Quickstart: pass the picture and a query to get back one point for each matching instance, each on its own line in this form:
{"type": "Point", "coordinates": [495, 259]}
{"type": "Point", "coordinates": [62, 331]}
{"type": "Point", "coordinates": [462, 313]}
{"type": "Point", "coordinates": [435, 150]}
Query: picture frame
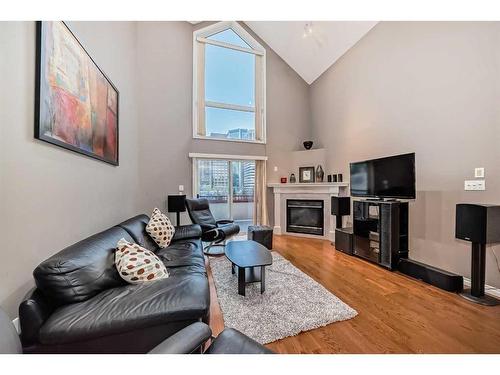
{"type": "Point", "coordinates": [76, 104]}
{"type": "Point", "coordinates": [306, 175]}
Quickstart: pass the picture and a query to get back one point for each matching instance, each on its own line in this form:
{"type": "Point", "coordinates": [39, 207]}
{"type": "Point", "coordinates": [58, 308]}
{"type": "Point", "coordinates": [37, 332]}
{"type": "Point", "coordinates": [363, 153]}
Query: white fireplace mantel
{"type": "Point", "coordinates": [322, 190]}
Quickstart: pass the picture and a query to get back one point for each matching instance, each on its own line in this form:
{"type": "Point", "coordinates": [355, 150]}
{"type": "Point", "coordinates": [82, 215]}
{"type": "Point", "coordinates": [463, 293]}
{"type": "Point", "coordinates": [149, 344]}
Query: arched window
{"type": "Point", "coordinates": [228, 84]}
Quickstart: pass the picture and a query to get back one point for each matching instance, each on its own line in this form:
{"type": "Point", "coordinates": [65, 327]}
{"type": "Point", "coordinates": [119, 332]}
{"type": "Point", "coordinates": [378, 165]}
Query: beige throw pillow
{"type": "Point", "coordinates": [136, 264]}
{"type": "Point", "coordinates": [160, 228]}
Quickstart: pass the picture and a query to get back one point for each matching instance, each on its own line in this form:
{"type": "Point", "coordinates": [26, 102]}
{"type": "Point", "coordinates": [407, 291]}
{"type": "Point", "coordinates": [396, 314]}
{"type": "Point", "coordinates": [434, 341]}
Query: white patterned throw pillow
{"type": "Point", "coordinates": [136, 264]}
{"type": "Point", "coordinates": [160, 228]}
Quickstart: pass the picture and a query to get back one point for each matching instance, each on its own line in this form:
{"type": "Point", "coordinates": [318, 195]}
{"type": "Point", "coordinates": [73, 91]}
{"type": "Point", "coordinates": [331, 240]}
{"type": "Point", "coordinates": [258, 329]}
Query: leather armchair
{"type": "Point", "coordinates": [216, 232]}
{"type": "Point", "coordinates": [192, 338]}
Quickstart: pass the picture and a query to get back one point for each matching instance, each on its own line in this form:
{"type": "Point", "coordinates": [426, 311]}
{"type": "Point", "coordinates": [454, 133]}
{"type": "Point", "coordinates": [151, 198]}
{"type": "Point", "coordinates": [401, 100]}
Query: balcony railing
{"type": "Point", "coordinates": [237, 198]}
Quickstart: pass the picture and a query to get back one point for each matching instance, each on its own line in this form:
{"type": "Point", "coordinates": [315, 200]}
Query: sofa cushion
{"type": "Point", "coordinates": [136, 264]}
{"type": "Point", "coordinates": [136, 227]}
{"type": "Point", "coordinates": [160, 228]}
{"type": "Point", "coordinates": [182, 254]}
{"type": "Point", "coordinates": [82, 270]}
{"type": "Point", "coordinates": [128, 308]}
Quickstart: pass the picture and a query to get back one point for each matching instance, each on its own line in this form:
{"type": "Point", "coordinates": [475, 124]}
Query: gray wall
{"type": "Point", "coordinates": [165, 73]}
{"type": "Point", "coordinates": [50, 197]}
{"type": "Point", "coordinates": [428, 87]}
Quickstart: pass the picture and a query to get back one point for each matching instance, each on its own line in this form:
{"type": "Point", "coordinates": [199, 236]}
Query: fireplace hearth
{"type": "Point", "coordinates": [305, 216]}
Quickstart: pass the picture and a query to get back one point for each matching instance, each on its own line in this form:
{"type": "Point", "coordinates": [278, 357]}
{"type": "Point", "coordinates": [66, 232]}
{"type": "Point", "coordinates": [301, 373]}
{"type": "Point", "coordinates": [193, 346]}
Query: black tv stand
{"type": "Point", "coordinates": [380, 231]}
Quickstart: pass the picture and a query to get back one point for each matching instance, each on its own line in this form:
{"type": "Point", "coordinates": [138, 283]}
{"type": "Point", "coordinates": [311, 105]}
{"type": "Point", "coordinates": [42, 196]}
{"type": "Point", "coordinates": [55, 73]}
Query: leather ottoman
{"type": "Point", "coordinates": [261, 234]}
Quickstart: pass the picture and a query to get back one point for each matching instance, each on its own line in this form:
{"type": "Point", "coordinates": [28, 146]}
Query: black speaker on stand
{"type": "Point", "coordinates": [341, 206]}
{"type": "Point", "coordinates": [479, 224]}
{"type": "Point", "coordinates": [177, 203]}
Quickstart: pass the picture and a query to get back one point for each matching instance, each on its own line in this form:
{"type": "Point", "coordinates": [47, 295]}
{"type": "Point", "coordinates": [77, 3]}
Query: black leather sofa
{"type": "Point", "coordinates": [192, 339]}
{"type": "Point", "coordinates": [81, 304]}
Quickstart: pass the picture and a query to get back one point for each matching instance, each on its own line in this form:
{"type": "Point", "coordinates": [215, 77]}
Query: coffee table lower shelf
{"type": "Point", "coordinates": [248, 275]}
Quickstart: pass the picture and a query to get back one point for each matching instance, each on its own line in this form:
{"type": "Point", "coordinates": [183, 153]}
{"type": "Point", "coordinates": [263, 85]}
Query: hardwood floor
{"type": "Point", "coordinates": [396, 314]}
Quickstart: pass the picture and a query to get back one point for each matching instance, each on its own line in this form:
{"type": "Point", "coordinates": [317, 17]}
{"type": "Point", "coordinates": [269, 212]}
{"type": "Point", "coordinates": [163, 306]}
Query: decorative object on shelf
{"type": "Point", "coordinates": [308, 144]}
{"type": "Point", "coordinates": [293, 180]}
{"type": "Point", "coordinates": [329, 178]}
{"type": "Point", "coordinates": [76, 105]}
{"type": "Point", "coordinates": [177, 204]}
{"type": "Point", "coordinates": [334, 178]}
{"type": "Point", "coordinates": [339, 177]}
{"type": "Point", "coordinates": [320, 174]}
{"type": "Point", "coordinates": [283, 180]}
{"type": "Point", "coordinates": [306, 174]}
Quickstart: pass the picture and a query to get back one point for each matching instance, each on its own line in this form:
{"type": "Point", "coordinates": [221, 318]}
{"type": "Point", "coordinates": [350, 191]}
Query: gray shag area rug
{"type": "Point", "coordinates": [292, 303]}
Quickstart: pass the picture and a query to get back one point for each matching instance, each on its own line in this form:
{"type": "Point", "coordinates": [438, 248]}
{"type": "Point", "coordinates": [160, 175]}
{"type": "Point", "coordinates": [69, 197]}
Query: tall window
{"type": "Point", "coordinates": [228, 84]}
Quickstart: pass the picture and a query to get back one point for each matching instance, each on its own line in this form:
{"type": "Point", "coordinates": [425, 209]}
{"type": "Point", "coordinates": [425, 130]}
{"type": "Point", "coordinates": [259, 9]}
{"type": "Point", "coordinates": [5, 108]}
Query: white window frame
{"type": "Point", "coordinates": [201, 36]}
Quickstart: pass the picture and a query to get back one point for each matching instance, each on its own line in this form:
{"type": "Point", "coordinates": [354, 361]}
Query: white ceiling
{"type": "Point", "coordinates": [310, 55]}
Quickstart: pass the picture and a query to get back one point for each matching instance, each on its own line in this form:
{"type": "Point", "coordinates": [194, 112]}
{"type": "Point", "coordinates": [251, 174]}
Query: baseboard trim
{"type": "Point", "coordinates": [489, 290]}
{"type": "Point", "coordinates": [16, 324]}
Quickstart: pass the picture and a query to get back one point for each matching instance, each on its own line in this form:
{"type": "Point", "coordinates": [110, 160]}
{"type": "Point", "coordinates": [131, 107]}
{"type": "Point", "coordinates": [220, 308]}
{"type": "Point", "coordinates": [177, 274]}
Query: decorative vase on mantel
{"type": "Point", "coordinates": [320, 174]}
{"type": "Point", "coordinates": [293, 180]}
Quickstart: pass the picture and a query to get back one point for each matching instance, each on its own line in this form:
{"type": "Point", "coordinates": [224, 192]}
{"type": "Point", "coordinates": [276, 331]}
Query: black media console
{"type": "Point", "coordinates": [380, 235]}
{"type": "Point", "coordinates": [380, 231]}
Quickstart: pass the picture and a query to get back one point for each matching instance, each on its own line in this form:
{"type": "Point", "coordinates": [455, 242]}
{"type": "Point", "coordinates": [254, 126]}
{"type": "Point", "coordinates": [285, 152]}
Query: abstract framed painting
{"type": "Point", "coordinates": [76, 104]}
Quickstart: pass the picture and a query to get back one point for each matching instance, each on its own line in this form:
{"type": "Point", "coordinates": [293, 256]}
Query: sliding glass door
{"type": "Point", "coordinates": [213, 184]}
{"type": "Point", "coordinates": [229, 186]}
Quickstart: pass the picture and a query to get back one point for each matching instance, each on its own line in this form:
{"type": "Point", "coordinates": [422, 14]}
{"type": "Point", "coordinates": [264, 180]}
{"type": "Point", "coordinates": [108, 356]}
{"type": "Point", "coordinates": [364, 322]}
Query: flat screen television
{"type": "Point", "coordinates": [389, 177]}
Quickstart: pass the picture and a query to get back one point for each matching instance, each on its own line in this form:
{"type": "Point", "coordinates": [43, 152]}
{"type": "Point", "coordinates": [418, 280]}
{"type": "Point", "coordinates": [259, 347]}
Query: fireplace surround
{"type": "Point", "coordinates": [306, 191]}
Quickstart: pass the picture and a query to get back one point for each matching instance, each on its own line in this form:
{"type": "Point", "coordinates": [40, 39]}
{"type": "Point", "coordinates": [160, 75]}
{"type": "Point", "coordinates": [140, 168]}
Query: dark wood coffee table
{"type": "Point", "coordinates": [251, 258]}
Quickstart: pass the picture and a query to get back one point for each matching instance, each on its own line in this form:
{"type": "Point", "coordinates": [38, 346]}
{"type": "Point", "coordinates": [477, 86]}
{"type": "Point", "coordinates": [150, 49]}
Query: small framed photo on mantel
{"type": "Point", "coordinates": [306, 174]}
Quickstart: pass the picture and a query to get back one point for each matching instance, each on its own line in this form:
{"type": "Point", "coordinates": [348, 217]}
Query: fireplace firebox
{"type": "Point", "coordinates": [305, 216]}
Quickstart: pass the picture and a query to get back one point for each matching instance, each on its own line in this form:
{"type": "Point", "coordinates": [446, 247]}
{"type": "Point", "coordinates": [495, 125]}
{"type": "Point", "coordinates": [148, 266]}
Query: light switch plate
{"type": "Point", "coordinates": [479, 172]}
{"type": "Point", "coordinates": [474, 185]}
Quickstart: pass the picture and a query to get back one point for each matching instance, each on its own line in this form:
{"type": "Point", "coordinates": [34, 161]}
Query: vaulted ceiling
{"type": "Point", "coordinates": [310, 48]}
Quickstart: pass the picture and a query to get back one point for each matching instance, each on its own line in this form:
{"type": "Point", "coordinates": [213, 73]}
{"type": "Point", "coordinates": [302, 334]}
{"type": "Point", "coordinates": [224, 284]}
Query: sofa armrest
{"type": "Point", "coordinates": [34, 310]}
{"type": "Point", "coordinates": [232, 341]}
{"type": "Point", "coordinates": [186, 341]}
{"type": "Point", "coordinates": [185, 232]}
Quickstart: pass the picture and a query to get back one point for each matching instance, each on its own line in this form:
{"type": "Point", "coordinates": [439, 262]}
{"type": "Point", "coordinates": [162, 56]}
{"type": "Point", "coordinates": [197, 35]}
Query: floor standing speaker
{"type": "Point", "coordinates": [480, 225]}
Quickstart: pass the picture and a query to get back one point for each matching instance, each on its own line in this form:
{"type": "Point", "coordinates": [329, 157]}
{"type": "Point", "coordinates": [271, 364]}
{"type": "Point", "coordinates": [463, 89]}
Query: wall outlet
{"type": "Point", "coordinates": [475, 185]}
{"type": "Point", "coordinates": [275, 168]}
{"type": "Point", "coordinates": [479, 172]}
